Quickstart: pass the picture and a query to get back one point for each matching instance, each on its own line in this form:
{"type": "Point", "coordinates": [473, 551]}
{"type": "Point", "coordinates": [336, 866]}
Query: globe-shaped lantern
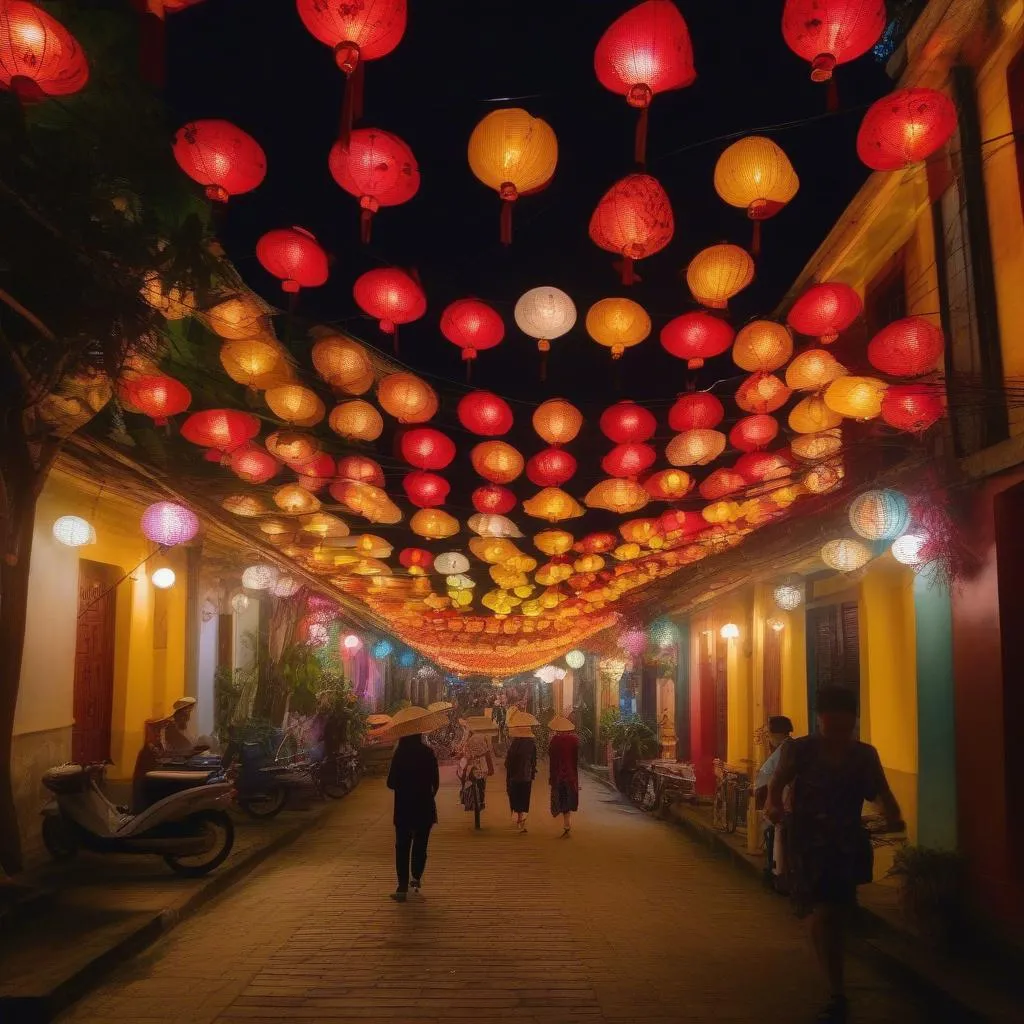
{"type": "Point", "coordinates": [633, 220]}
{"type": "Point", "coordinates": [451, 563]}
{"type": "Point", "coordinates": [550, 467]}
{"type": "Point", "coordinates": [156, 395]}
{"type": "Point", "coordinates": [813, 370]}
{"type": "Point", "coordinates": [416, 560]}
{"type": "Point", "coordinates": [753, 432]}
{"type": "Point", "coordinates": [39, 57]}
{"type": "Point", "coordinates": [343, 363]}
{"type": "Point", "coordinates": [633, 641]}
{"type": "Point", "coordinates": [907, 550]}
{"type": "Point", "coordinates": [167, 523]}
{"type": "Point", "coordinates": [258, 363]}
{"type": "Point", "coordinates": [575, 659]}
{"type": "Point", "coordinates": [628, 460]}
{"type": "Point", "coordinates": [904, 128]}
{"type": "Point", "coordinates": [220, 430]}
{"type": "Point", "coordinates": [514, 154]}
{"type": "Point", "coordinates": [717, 273]}
{"type": "Point", "coordinates": [545, 313]}
{"type": "Point", "coordinates": [762, 393]}
{"type": "Point", "coordinates": [557, 421]}
{"type": "Point", "coordinates": [760, 467]}
{"type": "Point", "coordinates": [695, 447]}
{"type": "Point", "coordinates": [240, 603]}
{"type": "Point", "coordinates": [426, 448]}
{"type": "Point", "coordinates": [356, 420]}
{"type": "Point", "coordinates": [846, 554]}
{"type": "Point", "coordinates": [294, 256]}
{"type": "Point", "coordinates": [221, 157]}
{"type": "Point", "coordinates": [376, 167]}
{"type": "Point", "coordinates": [617, 495]}
{"type": "Point", "coordinates": [789, 593]}
{"type": "Point", "coordinates": [293, 447]}
{"type": "Point", "coordinates": [818, 445]}
{"type": "Point", "coordinates": [472, 325]}
{"type": "Point", "coordinates": [298, 406]}
{"type": "Point", "coordinates": [824, 310]}
{"type": "Point", "coordinates": [643, 52]}
{"type": "Point", "coordinates": [762, 346]}
{"type": "Point", "coordinates": [316, 475]}
{"type": "Point", "coordinates": [880, 514]}
{"type": "Point", "coordinates": [553, 504]}
{"type": "Point", "coordinates": [699, 410]}
{"type": "Point", "coordinates": [425, 490]}
{"type": "Point", "coordinates": [260, 577]}
{"type": "Point", "coordinates": [668, 484]}
{"type": "Point", "coordinates": [406, 397]}
{"type": "Point", "coordinates": [74, 531]}
{"type": "Point", "coordinates": [253, 465]}
{"type": "Point", "coordinates": [618, 324]}
{"type": "Point", "coordinates": [912, 407]}
{"type": "Point", "coordinates": [239, 317]}
{"type": "Point", "coordinates": [663, 633]}
{"type": "Point", "coordinates": [497, 461]}
{"type": "Point", "coordinates": [433, 524]}
{"type": "Point", "coordinates": [382, 648]}
{"type": "Point", "coordinates": [391, 296]}
{"type": "Point", "coordinates": [361, 469]}
{"type": "Point", "coordinates": [830, 32]}
{"type": "Point", "coordinates": [811, 416]}
{"type": "Point", "coordinates": [626, 422]}
{"type": "Point", "coordinates": [908, 347]}
{"type": "Point", "coordinates": [695, 337]}
{"type": "Point", "coordinates": [485, 414]}
{"type": "Point", "coordinates": [721, 483]}
{"type": "Point", "coordinates": [857, 398]}
{"type": "Point", "coordinates": [493, 500]}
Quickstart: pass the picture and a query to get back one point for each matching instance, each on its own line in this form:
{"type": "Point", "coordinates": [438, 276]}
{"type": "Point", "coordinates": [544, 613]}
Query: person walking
{"type": "Point", "coordinates": [828, 849]}
{"type": "Point", "coordinates": [415, 779]}
{"type": "Point", "coordinates": [563, 771]}
{"type": "Point", "coordinates": [780, 732]}
{"type": "Point", "coordinates": [477, 762]}
{"type": "Point", "coordinates": [520, 765]}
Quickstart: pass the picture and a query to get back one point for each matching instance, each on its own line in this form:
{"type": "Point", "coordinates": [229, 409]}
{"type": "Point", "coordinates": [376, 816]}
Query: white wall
{"type": "Point", "coordinates": [247, 622]}
{"type": "Point", "coordinates": [207, 665]}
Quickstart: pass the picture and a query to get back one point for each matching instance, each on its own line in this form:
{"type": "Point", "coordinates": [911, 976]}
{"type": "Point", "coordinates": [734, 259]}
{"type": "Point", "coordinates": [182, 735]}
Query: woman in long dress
{"type": "Point", "coordinates": [563, 771]}
{"type": "Point", "coordinates": [520, 765]}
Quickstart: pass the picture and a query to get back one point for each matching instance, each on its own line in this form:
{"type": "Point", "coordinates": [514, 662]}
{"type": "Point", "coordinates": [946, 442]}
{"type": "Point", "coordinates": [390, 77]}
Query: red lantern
{"type": "Point", "coordinates": [629, 460]}
{"type": "Point", "coordinates": [907, 347]}
{"type": "Point", "coordinates": [317, 474]}
{"type": "Point", "coordinates": [39, 57]}
{"type": "Point", "coordinates": [762, 393]}
{"type": "Point", "coordinates": [222, 158]}
{"type": "Point", "coordinates": [376, 167]}
{"type": "Point", "coordinates": [643, 52]}
{"type": "Point", "coordinates": [697, 411]}
{"type": "Point", "coordinates": [669, 484]}
{"type": "Point", "coordinates": [753, 432]}
{"type": "Point", "coordinates": [253, 465]}
{"type": "Point", "coordinates": [295, 256]}
{"type": "Point", "coordinates": [356, 32]}
{"type": "Point", "coordinates": [427, 448]}
{"type": "Point", "coordinates": [484, 413]}
{"type": "Point", "coordinates": [494, 499]}
{"type": "Point", "coordinates": [473, 326]}
{"type": "Point", "coordinates": [550, 467]}
{"type": "Point", "coordinates": [831, 32]}
{"type": "Point", "coordinates": [758, 467]}
{"type": "Point", "coordinates": [688, 523]}
{"type": "Point", "coordinates": [417, 560]}
{"type": "Point", "coordinates": [695, 337]}
{"type": "Point", "coordinates": [912, 407]}
{"type": "Point", "coordinates": [391, 296]}
{"type": "Point", "coordinates": [426, 490]}
{"type": "Point", "coordinates": [721, 483]}
{"type": "Point", "coordinates": [360, 469]}
{"type": "Point", "coordinates": [156, 395]}
{"type": "Point", "coordinates": [824, 310]}
{"type": "Point", "coordinates": [222, 430]}
{"type": "Point", "coordinates": [626, 422]}
{"type": "Point", "coordinates": [634, 220]}
{"type": "Point", "coordinates": [905, 127]}
{"type": "Point", "coordinates": [596, 543]}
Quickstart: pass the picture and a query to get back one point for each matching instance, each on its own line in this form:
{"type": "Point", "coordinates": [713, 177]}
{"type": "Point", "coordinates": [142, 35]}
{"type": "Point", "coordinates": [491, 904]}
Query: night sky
{"type": "Point", "coordinates": [256, 65]}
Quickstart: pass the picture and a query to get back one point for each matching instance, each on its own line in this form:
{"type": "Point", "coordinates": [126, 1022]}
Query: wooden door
{"type": "Point", "coordinates": [833, 649]}
{"type": "Point", "coordinates": [772, 672]}
{"type": "Point", "coordinates": [94, 662]}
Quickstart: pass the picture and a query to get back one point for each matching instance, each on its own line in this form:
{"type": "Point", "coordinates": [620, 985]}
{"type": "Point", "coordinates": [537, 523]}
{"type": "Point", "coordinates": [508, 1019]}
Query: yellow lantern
{"type": "Point", "coordinates": [554, 505]}
{"type": "Point", "coordinates": [640, 531]}
{"type": "Point", "coordinates": [296, 500]}
{"type": "Point", "coordinates": [552, 573]}
{"type": "Point", "coordinates": [814, 369]}
{"type": "Point", "coordinates": [588, 563]}
{"type": "Point", "coordinates": [857, 398]}
{"type": "Point", "coordinates": [499, 601]}
{"type": "Point", "coordinates": [497, 461]}
{"type": "Point", "coordinates": [818, 445]}
{"type": "Point", "coordinates": [407, 398]}
{"type": "Point", "coordinates": [719, 272]}
{"type": "Point", "coordinates": [617, 495]}
{"type": "Point", "coordinates": [811, 416]}
{"type": "Point", "coordinates": [293, 447]}
{"type": "Point", "coordinates": [512, 153]}
{"type": "Point", "coordinates": [493, 550]}
{"type": "Point", "coordinates": [323, 525]}
{"type": "Point", "coordinates": [846, 554]}
{"type": "Point", "coordinates": [618, 324]}
{"type": "Point", "coordinates": [762, 346]}
{"type": "Point", "coordinates": [557, 421]}
{"type": "Point", "coordinates": [277, 528]}
{"type": "Point", "coordinates": [625, 553]}
{"type": "Point", "coordinates": [239, 318]}
{"type": "Point", "coordinates": [244, 505]}
{"type": "Point", "coordinates": [254, 362]}
{"type": "Point", "coordinates": [553, 542]}
{"type": "Point", "coordinates": [356, 420]}
{"type": "Point", "coordinates": [721, 512]}
{"type": "Point", "coordinates": [295, 404]}
{"type": "Point", "coordinates": [695, 447]}
{"type": "Point", "coordinates": [433, 524]}
{"type": "Point", "coordinates": [755, 175]}
{"type": "Point", "coordinates": [172, 303]}
{"type": "Point", "coordinates": [343, 363]}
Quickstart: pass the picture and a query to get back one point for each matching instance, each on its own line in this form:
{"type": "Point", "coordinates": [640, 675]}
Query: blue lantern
{"type": "Point", "coordinates": [381, 649]}
{"type": "Point", "coordinates": [880, 515]}
{"type": "Point", "coordinates": [663, 633]}
{"type": "Point", "coordinates": [407, 659]}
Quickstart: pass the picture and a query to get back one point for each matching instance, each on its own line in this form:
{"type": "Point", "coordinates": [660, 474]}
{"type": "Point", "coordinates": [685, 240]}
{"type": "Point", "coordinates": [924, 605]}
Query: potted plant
{"type": "Point", "coordinates": [932, 893]}
{"type": "Point", "coordinates": [630, 738]}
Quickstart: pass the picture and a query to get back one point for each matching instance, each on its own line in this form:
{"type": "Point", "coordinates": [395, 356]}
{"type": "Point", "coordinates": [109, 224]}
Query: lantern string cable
{"type": "Point", "coordinates": [113, 586]}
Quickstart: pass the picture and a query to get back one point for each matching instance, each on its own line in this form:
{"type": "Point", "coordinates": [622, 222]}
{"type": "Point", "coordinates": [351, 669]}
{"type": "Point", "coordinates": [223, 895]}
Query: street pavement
{"type": "Point", "coordinates": [626, 920]}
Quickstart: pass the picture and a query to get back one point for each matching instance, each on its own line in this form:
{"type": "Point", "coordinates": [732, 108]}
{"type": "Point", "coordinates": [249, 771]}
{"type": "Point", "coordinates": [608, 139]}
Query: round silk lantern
{"type": "Point", "coordinates": [753, 432]}
{"type": "Point", "coordinates": [294, 256]}
{"type": "Point", "coordinates": [416, 560]}
{"type": "Point", "coordinates": [391, 296]}
{"type": "Point", "coordinates": [668, 484]}
{"type": "Point", "coordinates": [485, 414]}
{"type": "Point", "coordinates": [451, 563]}
{"type": "Point", "coordinates": [880, 515]}
{"type": "Point", "coordinates": [433, 524]}
{"type": "Point", "coordinates": [167, 524]}
{"type": "Point", "coordinates": [699, 410]}
{"type": "Point", "coordinates": [73, 531]}
{"type": "Point", "coordinates": [238, 318]}
{"type": "Point", "coordinates": [907, 549]}
{"type": "Point", "coordinates": [360, 468]}
{"type": "Point", "coordinates": [904, 128]}
{"type": "Point", "coordinates": [376, 167]}
{"type": "Point", "coordinates": [316, 475]}
{"type": "Point", "coordinates": [759, 467]}
{"type": "Point", "coordinates": [575, 659]}
{"type": "Point", "coordinates": [557, 421]}
{"type": "Point", "coordinates": [755, 175]}
{"type": "Point", "coordinates": [545, 313]}
{"type": "Point", "coordinates": [550, 467]}
{"type": "Point", "coordinates": [618, 324]}
{"type": "Point", "coordinates": [633, 641]}
{"type": "Point", "coordinates": [830, 32]}
{"type": "Point", "coordinates": [407, 398]}
{"type": "Point", "coordinates": [554, 505]}
{"type": "Point", "coordinates": [817, 446]}
{"type": "Point", "coordinates": [296, 405]}
{"type": "Point", "coordinates": [496, 461]}
{"type": "Point", "coordinates": [357, 421]}
{"type": "Point", "coordinates": [222, 430]}
{"type": "Point", "coordinates": [494, 526]}
{"type": "Point", "coordinates": [762, 393]}
{"type": "Point", "coordinates": [619, 496]}
{"type": "Point", "coordinates": [814, 369]}
{"type": "Point", "coordinates": [626, 422]}
{"type": "Point", "coordinates": [39, 57]}
{"type": "Point", "coordinates": [643, 52]}
{"type": "Point", "coordinates": [695, 447]}
{"type": "Point", "coordinates": [695, 337]}
{"type": "Point", "coordinates": [156, 395]}
{"type": "Point", "coordinates": [628, 460]}
{"type": "Point", "coordinates": [493, 500]}
{"type": "Point", "coordinates": [857, 398]}
{"type": "Point", "coordinates": [789, 593]}
{"type": "Point", "coordinates": [222, 158]}
{"type": "Point", "coordinates": [258, 363]}
{"type": "Point", "coordinates": [717, 273]}
{"type": "Point", "coordinates": [260, 577]}
{"type": "Point", "coordinates": [824, 310]}
{"type": "Point", "coordinates": [846, 555]}
{"type": "Point", "coordinates": [293, 447]}
{"type": "Point", "coordinates": [633, 220]}
{"type": "Point", "coordinates": [907, 347]}
{"type": "Point", "coordinates": [912, 407]}
{"type": "Point", "coordinates": [721, 483]}
{"type": "Point", "coordinates": [343, 363]}
{"type": "Point", "coordinates": [253, 464]}
{"type": "Point", "coordinates": [473, 326]}
{"type": "Point", "coordinates": [426, 448]}
{"type": "Point", "coordinates": [514, 154]}
{"type": "Point", "coordinates": [425, 490]}
{"type": "Point", "coordinates": [811, 415]}
{"type": "Point", "coordinates": [762, 346]}
{"type": "Point", "coordinates": [295, 500]}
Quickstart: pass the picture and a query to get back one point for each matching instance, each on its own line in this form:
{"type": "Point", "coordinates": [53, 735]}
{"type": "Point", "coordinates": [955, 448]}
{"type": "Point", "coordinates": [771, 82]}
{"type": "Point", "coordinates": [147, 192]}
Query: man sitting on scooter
{"type": "Point", "coordinates": [176, 738]}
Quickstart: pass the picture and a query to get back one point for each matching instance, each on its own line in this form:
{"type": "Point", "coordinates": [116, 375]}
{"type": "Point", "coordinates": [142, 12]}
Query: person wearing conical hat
{"type": "Point", "coordinates": [520, 765]}
{"type": "Point", "coordinates": [415, 780]}
{"type": "Point", "coordinates": [563, 771]}
{"type": "Point", "coordinates": [177, 739]}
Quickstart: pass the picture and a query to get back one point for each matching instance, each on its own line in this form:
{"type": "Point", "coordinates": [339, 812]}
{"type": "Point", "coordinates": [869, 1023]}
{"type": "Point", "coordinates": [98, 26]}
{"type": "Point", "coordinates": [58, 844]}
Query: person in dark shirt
{"type": "Point", "coordinates": [563, 771]}
{"type": "Point", "coordinates": [520, 765]}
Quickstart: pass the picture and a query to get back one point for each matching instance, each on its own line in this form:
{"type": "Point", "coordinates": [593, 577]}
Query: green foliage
{"type": "Point", "coordinates": [933, 888]}
{"type": "Point", "coordinates": [346, 716]}
{"type": "Point", "coordinates": [628, 734]}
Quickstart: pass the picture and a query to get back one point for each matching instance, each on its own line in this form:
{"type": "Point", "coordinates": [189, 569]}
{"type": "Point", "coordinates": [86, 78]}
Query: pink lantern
{"type": "Point", "coordinates": [168, 524]}
{"type": "Point", "coordinates": [633, 641]}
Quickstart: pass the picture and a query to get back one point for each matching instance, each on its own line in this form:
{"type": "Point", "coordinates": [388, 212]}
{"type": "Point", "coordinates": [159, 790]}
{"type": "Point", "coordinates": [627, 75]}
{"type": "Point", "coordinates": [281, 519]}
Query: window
{"type": "Point", "coordinates": [833, 649]}
{"type": "Point", "coordinates": [885, 298]}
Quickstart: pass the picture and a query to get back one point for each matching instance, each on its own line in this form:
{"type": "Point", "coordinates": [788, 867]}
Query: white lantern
{"type": "Point", "coordinates": [907, 549]}
{"type": "Point", "coordinates": [846, 554]}
{"type": "Point", "coordinates": [776, 624]}
{"type": "Point", "coordinates": [550, 674]}
{"type": "Point", "coordinates": [286, 586]}
{"type": "Point", "coordinates": [352, 642]}
{"type": "Point", "coordinates": [451, 563]}
{"type": "Point", "coordinates": [240, 603]}
{"type": "Point", "coordinates": [317, 634]}
{"type": "Point", "coordinates": [730, 631]}
{"type": "Point", "coordinates": [163, 578]}
{"type": "Point", "coordinates": [492, 525]}
{"type": "Point", "coordinates": [575, 659]}
{"type": "Point", "coordinates": [545, 313]}
{"type": "Point", "coordinates": [74, 531]}
{"type": "Point", "coordinates": [789, 594]}
{"type": "Point", "coordinates": [260, 577]}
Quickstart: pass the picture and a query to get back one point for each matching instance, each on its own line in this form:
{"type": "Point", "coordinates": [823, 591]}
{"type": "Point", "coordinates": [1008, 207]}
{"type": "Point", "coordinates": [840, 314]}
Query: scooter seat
{"type": "Point", "coordinates": [166, 775]}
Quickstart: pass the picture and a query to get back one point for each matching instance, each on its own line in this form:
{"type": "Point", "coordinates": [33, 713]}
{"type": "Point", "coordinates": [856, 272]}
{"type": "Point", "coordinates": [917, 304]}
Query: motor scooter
{"type": "Point", "coordinates": [190, 829]}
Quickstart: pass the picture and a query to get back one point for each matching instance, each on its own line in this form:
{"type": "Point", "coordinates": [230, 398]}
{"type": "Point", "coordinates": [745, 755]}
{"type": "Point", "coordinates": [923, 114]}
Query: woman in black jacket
{"type": "Point", "coordinates": [520, 765]}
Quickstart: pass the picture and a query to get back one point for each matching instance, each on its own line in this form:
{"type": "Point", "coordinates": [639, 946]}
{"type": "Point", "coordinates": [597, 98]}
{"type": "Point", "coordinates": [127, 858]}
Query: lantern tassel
{"type": "Point", "coordinates": [365, 225]}
{"type": "Point", "coordinates": [352, 104]}
{"type": "Point", "coordinates": [832, 100]}
{"type": "Point", "coordinates": [755, 241]}
{"type": "Point", "coordinates": [640, 145]}
{"type": "Point", "coordinates": [627, 270]}
{"type": "Point", "coordinates": [506, 222]}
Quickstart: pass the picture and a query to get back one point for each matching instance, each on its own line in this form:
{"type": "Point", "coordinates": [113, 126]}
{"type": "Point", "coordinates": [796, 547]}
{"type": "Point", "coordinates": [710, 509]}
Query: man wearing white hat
{"type": "Point", "coordinates": [176, 736]}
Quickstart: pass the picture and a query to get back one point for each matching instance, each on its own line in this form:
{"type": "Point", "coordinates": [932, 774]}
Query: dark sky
{"type": "Point", "coordinates": [255, 64]}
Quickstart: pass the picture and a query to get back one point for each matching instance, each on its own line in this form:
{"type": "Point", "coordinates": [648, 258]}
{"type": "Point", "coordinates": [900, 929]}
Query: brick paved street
{"type": "Point", "coordinates": [626, 921]}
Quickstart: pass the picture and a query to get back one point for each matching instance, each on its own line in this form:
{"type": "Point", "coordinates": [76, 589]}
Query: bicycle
{"type": "Point", "coordinates": [732, 796]}
{"type": "Point", "coordinates": [655, 786]}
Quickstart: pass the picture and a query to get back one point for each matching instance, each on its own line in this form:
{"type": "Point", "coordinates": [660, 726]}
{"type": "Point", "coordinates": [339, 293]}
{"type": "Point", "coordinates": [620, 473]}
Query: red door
{"type": "Point", "coordinates": [94, 662]}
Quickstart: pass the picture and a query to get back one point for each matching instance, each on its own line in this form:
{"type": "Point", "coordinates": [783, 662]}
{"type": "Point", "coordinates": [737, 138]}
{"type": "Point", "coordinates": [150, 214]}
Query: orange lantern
{"type": "Point", "coordinates": [295, 500]}
{"type": "Point", "coordinates": [293, 447]}
{"type": "Point", "coordinates": [497, 461]}
{"type": "Point", "coordinates": [296, 405]}
{"type": "Point", "coordinates": [343, 363]}
{"type": "Point", "coordinates": [811, 415]}
{"type": "Point", "coordinates": [557, 421]}
{"type": "Point", "coordinates": [762, 393]}
{"type": "Point", "coordinates": [618, 324]}
{"type": "Point", "coordinates": [433, 524]}
{"type": "Point", "coordinates": [762, 346]}
{"type": "Point", "coordinates": [717, 273]}
{"type": "Point", "coordinates": [239, 318]}
{"type": "Point", "coordinates": [407, 398]}
{"type": "Point", "coordinates": [857, 398]}
{"type": "Point", "coordinates": [720, 484]}
{"type": "Point", "coordinates": [633, 220]}
{"type": "Point", "coordinates": [813, 369]}
{"type": "Point", "coordinates": [552, 504]}
{"type": "Point", "coordinates": [695, 447]}
{"type": "Point", "coordinates": [553, 542]}
{"type": "Point", "coordinates": [356, 420]}
{"type": "Point", "coordinates": [668, 484]}
{"type": "Point", "coordinates": [258, 363]}
{"type": "Point", "coordinates": [820, 445]}
{"type": "Point", "coordinates": [617, 495]}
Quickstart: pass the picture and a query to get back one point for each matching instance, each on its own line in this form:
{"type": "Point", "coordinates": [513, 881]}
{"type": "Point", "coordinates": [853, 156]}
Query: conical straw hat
{"type": "Point", "coordinates": [481, 725]}
{"type": "Point", "coordinates": [414, 720]}
{"type": "Point", "coordinates": [377, 720]}
{"type": "Point", "coordinates": [561, 724]}
{"type": "Point", "coordinates": [440, 705]}
{"type": "Point", "coordinates": [521, 720]}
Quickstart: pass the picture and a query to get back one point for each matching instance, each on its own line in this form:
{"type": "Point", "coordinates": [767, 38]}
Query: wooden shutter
{"type": "Point", "coordinates": [772, 672]}
{"type": "Point", "coordinates": [721, 701]}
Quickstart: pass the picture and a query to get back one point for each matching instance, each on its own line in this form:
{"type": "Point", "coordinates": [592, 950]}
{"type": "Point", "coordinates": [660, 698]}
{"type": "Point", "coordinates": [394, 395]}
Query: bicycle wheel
{"type": "Point", "coordinates": [638, 786]}
{"type": "Point", "coordinates": [718, 814]}
{"type": "Point", "coordinates": [333, 781]}
{"type": "Point", "coordinates": [649, 798]}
